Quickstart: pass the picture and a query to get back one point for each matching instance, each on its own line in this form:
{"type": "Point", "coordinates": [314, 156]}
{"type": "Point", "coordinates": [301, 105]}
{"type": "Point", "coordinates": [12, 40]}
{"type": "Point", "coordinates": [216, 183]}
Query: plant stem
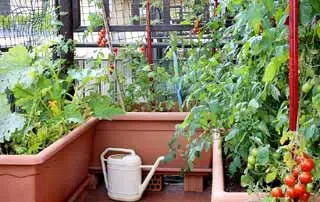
{"type": "Point", "coordinates": [106, 25]}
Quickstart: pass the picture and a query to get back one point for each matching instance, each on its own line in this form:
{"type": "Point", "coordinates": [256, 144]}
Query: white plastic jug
{"type": "Point", "coordinates": [123, 174]}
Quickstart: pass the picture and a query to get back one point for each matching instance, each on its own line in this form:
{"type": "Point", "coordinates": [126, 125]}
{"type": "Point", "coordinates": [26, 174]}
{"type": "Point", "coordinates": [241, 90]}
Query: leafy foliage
{"type": "Point", "coordinates": [239, 82]}
{"type": "Point", "coordinates": [50, 103]}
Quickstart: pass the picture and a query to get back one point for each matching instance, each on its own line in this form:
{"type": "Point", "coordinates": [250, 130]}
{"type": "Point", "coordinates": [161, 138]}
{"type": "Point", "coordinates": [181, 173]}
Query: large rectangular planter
{"type": "Point", "coordinates": [148, 133]}
{"type": "Point", "coordinates": [218, 192]}
{"type": "Point", "coordinates": [54, 174]}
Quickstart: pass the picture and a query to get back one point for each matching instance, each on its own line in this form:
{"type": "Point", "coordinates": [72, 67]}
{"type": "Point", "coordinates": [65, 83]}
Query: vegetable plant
{"type": "Point", "coordinates": [48, 102]}
{"type": "Point", "coordinates": [239, 80]}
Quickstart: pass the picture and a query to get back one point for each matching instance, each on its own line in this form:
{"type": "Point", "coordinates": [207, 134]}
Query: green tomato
{"type": "Point", "coordinates": [250, 166]}
{"type": "Point", "coordinates": [307, 87]}
{"type": "Point", "coordinates": [276, 156]}
{"type": "Point", "coordinates": [251, 160]}
{"type": "Point", "coordinates": [254, 152]}
{"type": "Point", "coordinates": [309, 187]}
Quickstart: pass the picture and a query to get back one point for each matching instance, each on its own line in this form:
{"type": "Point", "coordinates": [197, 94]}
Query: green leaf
{"type": "Point", "coordinates": [278, 14]}
{"type": "Point", "coordinates": [268, 4]}
{"type": "Point", "coordinates": [271, 70]}
{"type": "Point", "coordinates": [275, 93]}
{"type": "Point", "coordinates": [263, 128]}
{"type": "Point", "coordinates": [232, 134]}
{"type": "Point", "coordinates": [254, 104]}
{"type": "Point", "coordinates": [305, 12]}
{"type": "Point", "coordinates": [263, 155]}
{"type": "Point", "coordinates": [9, 122]}
{"type": "Point", "coordinates": [234, 165]}
{"type": "Point", "coordinates": [101, 107]}
{"type": "Point", "coordinates": [318, 30]}
{"type": "Point", "coordinates": [270, 177]}
{"type": "Point", "coordinates": [311, 132]}
{"type": "Point", "coordinates": [246, 180]}
{"type": "Point", "coordinates": [254, 16]}
{"type": "Point", "coordinates": [72, 113]}
{"type": "Point", "coordinates": [14, 66]}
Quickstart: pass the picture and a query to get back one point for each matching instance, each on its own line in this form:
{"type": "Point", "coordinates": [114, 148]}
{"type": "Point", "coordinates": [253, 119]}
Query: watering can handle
{"type": "Point", "coordinates": [104, 160]}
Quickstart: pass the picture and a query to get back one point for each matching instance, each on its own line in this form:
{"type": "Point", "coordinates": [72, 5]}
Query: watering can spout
{"type": "Point", "coordinates": [150, 174]}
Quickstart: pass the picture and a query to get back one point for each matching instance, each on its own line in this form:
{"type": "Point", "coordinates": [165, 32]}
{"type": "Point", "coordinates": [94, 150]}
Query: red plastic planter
{"type": "Point", "coordinates": [218, 193]}
{"type": "Point", "coordinates": [148, 133]}
{"type": "Point", "coordinates": [53, 175]}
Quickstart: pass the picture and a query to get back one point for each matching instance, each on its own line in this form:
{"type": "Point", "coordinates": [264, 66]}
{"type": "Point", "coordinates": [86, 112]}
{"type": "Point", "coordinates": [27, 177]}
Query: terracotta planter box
{"type": "Point", "coordinates": [148, 133]}
{"type": "Point", "coordinates": [218, 194]}
{"type": "Point", "coordinates": [53, 175]}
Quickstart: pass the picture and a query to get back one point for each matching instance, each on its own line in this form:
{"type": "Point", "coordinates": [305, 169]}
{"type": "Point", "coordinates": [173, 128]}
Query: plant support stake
{"type": "Point", "coordinates": [294, 63]}
{"type": "Point", "coordinates": [149, 42]}
{"type": "Point", "coordinates": [216, 4]}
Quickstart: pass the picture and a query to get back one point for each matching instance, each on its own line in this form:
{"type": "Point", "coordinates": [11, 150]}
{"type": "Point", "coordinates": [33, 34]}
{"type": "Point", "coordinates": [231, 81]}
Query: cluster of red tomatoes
{"type": "Point", "coordinates": [298, 185]}
{"type": "Point", "coordinates": [102, 40]}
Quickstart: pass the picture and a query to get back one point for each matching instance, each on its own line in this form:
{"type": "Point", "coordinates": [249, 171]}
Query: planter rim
{"type": "Point", "coordinates": [47, 153]}
{"type": "Point", "coordinates": [218, 192]}
{"type": "Point", "coordinates": [151, 116]}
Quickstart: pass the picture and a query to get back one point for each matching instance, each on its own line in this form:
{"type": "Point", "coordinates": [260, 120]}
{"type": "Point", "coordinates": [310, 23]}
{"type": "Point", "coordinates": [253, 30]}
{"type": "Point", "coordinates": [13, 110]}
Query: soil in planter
{"type": "Point", "coordinates": [231, 183]}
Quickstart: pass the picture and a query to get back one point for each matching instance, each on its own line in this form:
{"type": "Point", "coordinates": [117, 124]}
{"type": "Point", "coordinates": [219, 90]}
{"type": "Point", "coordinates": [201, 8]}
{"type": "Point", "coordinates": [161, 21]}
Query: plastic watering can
{"type": "Point", "coordinates": [123, 174]}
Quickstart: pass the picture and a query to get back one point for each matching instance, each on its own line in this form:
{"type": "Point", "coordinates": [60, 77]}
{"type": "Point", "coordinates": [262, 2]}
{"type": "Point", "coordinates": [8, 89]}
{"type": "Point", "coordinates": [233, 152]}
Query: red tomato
{"type": "Point", "coordinates": [115, 50]}
{"type": "Point", "coordinates": [196, 30]}
{"type": "Point", "coordinates": [102, 44]}
{"type": "Point", "coordinates": [277, 192]}
{"type": "Point", "coordinates": [291, 193]}
{"type": "Point", "coordinates": [295, 172]}
{"type": "Point", "coordinates": [103, 31]}
{"type": "Point", "coordinates": [305, 196]}
{"type": "Point", "coordinates": [142, 49]}
{"type": "Point", "coordinates": [101, 35]}
{"type": "Point", "coordinates": [307, 165]}
{"type": "Point", "coordinates": [289, 180]}
{"type": "Point", "coordinates": [299, 189]}
{"type": "Point", "coordinates": [305, 177]}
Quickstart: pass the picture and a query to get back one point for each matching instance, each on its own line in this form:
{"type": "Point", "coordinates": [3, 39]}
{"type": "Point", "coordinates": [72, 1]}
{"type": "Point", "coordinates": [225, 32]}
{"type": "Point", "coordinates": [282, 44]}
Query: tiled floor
{"type": "Point", "coordinates": [171, 193]}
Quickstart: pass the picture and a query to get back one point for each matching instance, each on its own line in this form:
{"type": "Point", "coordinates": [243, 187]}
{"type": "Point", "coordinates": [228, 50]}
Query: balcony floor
{"type": "Point", "coordinates": [171, 193]}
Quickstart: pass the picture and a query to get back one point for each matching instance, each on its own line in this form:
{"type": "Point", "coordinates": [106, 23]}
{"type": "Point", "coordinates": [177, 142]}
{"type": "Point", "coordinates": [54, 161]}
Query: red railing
{"type": "Point", "coordinates": [294, 63]}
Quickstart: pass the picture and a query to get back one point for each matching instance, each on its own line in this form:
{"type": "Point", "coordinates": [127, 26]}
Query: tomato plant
{"type": "Point", "coordinates": [241, 88]}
